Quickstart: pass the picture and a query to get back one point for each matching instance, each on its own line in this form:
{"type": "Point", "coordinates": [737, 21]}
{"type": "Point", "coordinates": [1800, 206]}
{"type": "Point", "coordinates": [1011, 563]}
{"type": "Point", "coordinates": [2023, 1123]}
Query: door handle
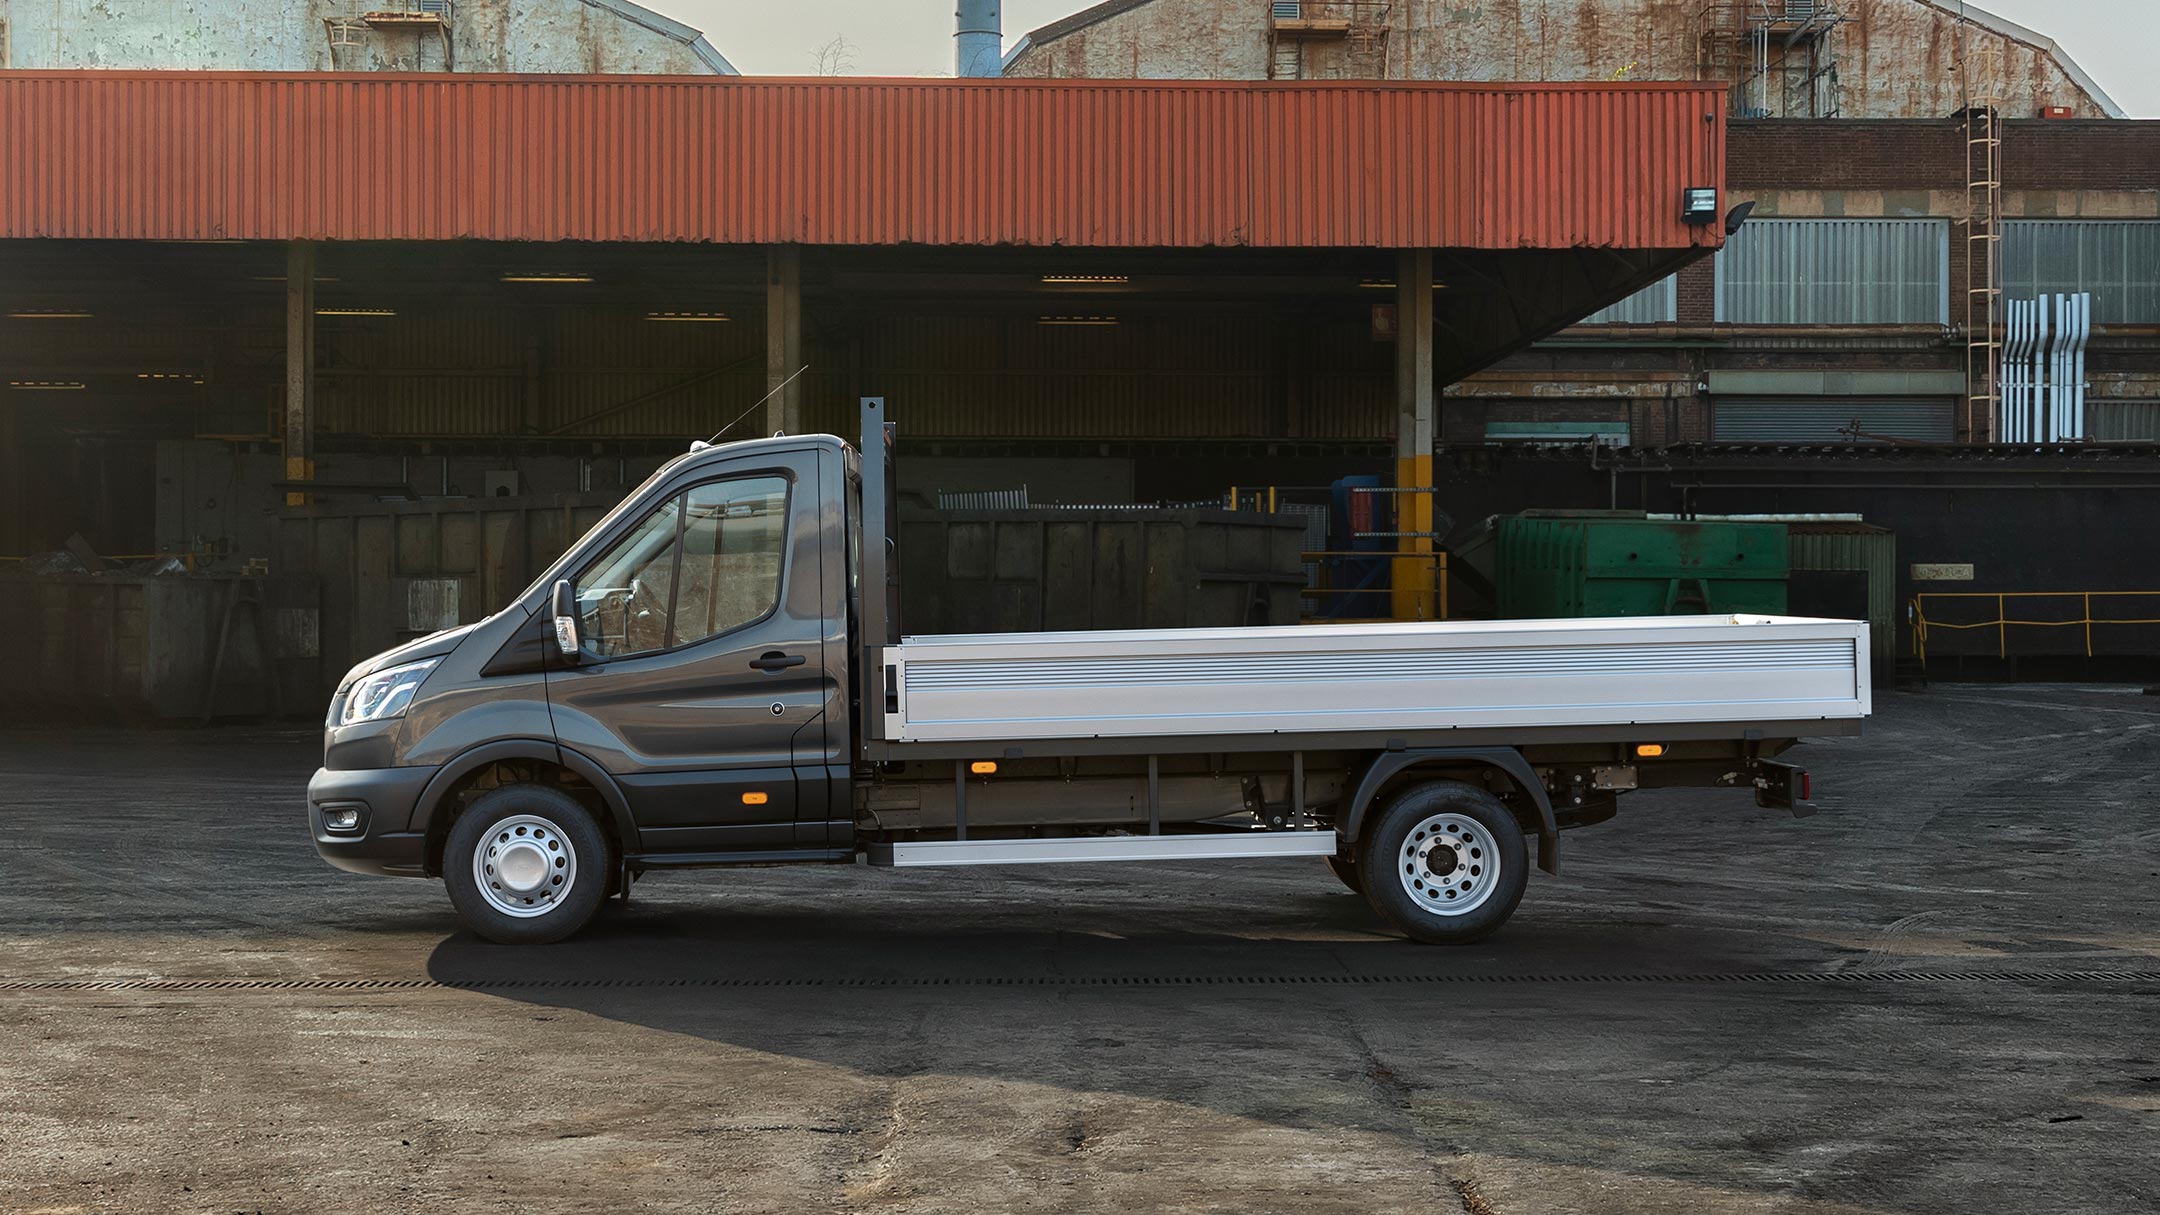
{"type": "Point", "coordinates": [776, 661]}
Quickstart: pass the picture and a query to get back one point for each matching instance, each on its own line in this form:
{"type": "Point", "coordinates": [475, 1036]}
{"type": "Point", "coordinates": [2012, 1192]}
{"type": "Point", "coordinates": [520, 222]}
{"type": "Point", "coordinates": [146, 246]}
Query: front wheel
{"type": "Point", "coordinates": [527, 865]}
{"type": "Point", "coordinates": [1445, 862]}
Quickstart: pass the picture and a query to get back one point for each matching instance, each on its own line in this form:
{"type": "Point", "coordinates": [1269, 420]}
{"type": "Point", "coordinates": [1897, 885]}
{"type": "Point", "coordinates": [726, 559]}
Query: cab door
{"type": "Point", "coordinates": [701, 631]}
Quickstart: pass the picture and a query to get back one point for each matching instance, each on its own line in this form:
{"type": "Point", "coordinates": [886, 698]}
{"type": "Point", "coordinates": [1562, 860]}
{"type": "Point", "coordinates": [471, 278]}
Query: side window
{"type": "Point", "coordinates": [733, 543]}
{"type": "Point", "coordinates": [707, 561]}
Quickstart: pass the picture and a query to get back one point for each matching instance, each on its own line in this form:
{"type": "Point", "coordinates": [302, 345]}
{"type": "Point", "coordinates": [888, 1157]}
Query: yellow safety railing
{"type": "Point", "coordinates": [2002, 622]}
{"type": "Point", "coordinates": [1438, 561]}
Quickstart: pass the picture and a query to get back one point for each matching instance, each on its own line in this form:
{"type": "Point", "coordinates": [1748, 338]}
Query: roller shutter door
{"type": "Point", "coordinates": [1820, 419]}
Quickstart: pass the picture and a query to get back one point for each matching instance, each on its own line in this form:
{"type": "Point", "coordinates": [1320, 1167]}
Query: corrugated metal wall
{"type": "Point", "coordinates": [1655, 304]}
{"type": "Point", "coordinates": [202, 155]}
{"type": "Point", "coordinates": [2124, 421]}
{"type": "Point", "coordinates": [1836, 272]}
{"type": "Point", "coordinates": [1822, 419]}
{"type": "Point", "coordinates": [1847, 546]}
{"type": "Point", "coordinates": [468, 373]}
{"type": "Point", "coordinates": [2117, 260]}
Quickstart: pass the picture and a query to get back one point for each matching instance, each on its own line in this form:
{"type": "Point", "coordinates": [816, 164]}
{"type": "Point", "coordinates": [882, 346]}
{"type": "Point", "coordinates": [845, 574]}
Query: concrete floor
{"type": "Point", "coordinates": [1942, 993]}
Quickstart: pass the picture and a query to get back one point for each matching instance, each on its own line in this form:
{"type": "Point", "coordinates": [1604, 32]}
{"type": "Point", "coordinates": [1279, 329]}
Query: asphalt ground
{"type": "Point", "coordinates": [1939, 994]}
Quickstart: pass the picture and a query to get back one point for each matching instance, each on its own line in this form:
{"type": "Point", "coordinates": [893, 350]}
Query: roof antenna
{"type": "Point", "coordinates": [706, 444]}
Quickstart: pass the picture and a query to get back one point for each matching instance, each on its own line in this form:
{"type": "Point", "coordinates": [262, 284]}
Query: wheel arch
{"type": "Point", "coordinates": [1508, 762]}
{"type": "Point", "coordinates": [427, 812]}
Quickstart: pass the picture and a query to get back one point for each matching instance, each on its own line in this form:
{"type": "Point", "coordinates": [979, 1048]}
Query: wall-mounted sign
{"type": "Point", "coordinates": [1941, 572]}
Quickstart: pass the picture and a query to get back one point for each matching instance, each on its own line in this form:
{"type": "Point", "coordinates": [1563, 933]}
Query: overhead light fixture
{"type": "Point", "coordinates": [1076, 320]}
{"type": "Point", "coordinates": [1377, 284]}
{"type": "Point", "coordinates": [356, 312]}
{"type": "Point", "coordinates": [1085, 280]}
{"type": "Point", "coordinates": [708, 317]}
{"type": "Point", "coordinates": [47, 385]}
{"type": "Point", "coordinates": [165, 375]}
{"type": "Point", "coordinates": [547, 278]}
{"type": "Point", "coordinates": [50, 314]}
{"type": "Point", "coordinates": [1698, 206]}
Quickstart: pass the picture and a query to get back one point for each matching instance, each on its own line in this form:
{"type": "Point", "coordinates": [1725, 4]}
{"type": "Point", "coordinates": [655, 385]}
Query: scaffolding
{"type": "Point", "coordinates": [1780, 56]}
{"type": "Point", "coordinates": [1982, 67]}
{"type": "Point", "coordinates": [1356, 30]}
{"type": "Point", "coordinates": [426, 19]}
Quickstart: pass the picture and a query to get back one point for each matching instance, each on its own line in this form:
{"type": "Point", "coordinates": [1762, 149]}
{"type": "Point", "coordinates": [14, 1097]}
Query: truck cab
{"type": "Point", "coordinates": [704, 683]}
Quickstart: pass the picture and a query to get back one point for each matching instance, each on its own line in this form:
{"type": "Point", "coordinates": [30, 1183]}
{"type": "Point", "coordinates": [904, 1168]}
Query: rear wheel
{"type": "Point", "coordinates": [527, 865]}
{"type": "Point", "coordinates": [1345, 869]}
{"type": "Point", "coordinates": [1445, 862]}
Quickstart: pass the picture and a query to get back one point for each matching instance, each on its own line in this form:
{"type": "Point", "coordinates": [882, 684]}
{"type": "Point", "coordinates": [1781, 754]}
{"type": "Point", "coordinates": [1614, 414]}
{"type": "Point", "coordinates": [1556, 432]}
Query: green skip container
{"type": "Point", "coordinates": [1545, 565]}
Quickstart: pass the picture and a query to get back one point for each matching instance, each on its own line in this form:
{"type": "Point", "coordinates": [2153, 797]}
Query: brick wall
{"type": "Point", "coordinates": [1915, 155]}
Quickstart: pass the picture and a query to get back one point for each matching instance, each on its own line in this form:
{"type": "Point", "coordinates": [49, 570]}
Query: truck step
{"type": "Point", "coordinates": [1240, 844]}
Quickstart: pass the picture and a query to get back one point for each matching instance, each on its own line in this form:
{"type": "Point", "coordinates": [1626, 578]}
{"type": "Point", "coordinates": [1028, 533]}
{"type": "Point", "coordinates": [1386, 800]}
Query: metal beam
{"type": "Point", "coordinates": [299, 428]}
{"type": "Point", "coordinates": [783, 338]}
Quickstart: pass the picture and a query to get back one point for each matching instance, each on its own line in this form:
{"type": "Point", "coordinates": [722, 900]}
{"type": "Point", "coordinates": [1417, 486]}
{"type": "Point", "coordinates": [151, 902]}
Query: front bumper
{"type": "Point", "coordinates": [385, 798]}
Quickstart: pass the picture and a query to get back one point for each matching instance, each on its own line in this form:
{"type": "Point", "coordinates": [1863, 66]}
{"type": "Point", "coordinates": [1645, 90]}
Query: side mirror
{"type": "Point", "coordinates": [565, 611]}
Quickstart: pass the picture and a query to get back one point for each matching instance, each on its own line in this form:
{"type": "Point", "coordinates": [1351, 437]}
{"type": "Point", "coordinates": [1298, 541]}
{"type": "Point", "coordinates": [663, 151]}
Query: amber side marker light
{"type": "Point", "coordinates": [983, 767]}
{"type": "Point", "coordinates": [753, 799]}
{"type": "Point", "coordinates": [1649, 750]}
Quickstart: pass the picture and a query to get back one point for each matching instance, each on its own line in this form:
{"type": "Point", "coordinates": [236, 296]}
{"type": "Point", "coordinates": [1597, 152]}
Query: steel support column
{"type": "Point", "coordinates": [299, 430]}
{"type": "Point", "coordinates": [1415, 422]}
{"type": "Point", "coordinates": [783, 338]}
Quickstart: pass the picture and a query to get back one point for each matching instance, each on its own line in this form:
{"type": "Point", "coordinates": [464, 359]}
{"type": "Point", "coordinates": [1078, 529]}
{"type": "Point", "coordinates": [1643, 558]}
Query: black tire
{"type": "Point", "coordinates": [1345, 870]}
{"type": "Point", "coordinates": [1401, 850]}
{"type": "Point", "coordinates": [558, 845]}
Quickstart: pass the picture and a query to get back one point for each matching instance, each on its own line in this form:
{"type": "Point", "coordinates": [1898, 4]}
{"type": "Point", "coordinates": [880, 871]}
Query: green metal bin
{"type": "Point", "coordinates": [1578, 564]}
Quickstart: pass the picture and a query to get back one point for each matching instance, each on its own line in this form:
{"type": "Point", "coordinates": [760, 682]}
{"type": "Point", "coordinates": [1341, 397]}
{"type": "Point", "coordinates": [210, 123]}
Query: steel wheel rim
{"type": "Point", "coordinates": [524, 866]}
{"type": "Point", "coordinates": [1449, 864]}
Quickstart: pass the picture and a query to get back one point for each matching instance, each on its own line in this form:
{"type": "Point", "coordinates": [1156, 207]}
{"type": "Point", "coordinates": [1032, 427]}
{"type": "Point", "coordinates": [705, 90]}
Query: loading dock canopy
{"type": "Point", "coordinates": [1544, 202]}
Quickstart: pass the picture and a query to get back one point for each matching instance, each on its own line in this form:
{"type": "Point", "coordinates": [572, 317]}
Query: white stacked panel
{"type": "Point", "coordinates": [1378, 677]}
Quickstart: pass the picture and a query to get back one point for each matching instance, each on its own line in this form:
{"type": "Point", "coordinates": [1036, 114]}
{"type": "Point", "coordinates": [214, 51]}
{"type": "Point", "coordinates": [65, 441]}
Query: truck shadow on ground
{"type": "Point", "coordinates": [1309, 1017]}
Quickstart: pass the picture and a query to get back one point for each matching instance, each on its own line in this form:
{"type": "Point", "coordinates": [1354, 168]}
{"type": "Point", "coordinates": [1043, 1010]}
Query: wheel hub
{"type": "Point", "coordinates": [1450, 864]}
{"type": "Point", "coordinates": [524, 866]}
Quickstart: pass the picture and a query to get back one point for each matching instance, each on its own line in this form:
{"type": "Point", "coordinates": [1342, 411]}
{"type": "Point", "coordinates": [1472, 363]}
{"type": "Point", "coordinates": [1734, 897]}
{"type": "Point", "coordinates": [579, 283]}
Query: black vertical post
{"type": "Point", "coordinates": [959, 792]}
{"type": "Point", "coordinates": [1154, 796]}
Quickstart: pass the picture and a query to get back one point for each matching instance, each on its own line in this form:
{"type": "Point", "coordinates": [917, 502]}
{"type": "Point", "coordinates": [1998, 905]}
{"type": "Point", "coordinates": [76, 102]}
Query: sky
{"type": "Point", "coordinates": [2112, 39]}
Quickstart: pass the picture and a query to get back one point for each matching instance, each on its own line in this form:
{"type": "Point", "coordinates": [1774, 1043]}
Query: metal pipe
{"type": "Point", "coordinates": [978, 39]}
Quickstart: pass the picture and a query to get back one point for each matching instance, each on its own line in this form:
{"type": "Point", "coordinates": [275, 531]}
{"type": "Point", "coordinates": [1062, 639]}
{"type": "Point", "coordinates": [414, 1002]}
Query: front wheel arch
{"type": "Point", "coordinates": [440, 795]}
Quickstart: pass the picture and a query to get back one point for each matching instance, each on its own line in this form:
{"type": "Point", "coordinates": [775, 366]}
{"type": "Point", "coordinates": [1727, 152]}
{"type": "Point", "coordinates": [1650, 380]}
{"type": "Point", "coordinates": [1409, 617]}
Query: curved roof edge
{"type": "Point", "coordinates": [2012, 30]}
{"type": "Point", "coordinates": [668, 27]}
{"type": "Point", "coordinates": [1955, 8]}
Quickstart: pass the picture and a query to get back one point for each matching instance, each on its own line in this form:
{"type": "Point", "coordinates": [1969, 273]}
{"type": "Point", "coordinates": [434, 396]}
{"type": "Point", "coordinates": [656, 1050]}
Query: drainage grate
{"type": "Point", "coordinates": [2062, 977]}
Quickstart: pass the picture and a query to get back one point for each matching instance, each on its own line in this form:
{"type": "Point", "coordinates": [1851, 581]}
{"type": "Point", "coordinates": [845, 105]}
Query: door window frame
{"type": "Point", "coordinates": [677, 494]}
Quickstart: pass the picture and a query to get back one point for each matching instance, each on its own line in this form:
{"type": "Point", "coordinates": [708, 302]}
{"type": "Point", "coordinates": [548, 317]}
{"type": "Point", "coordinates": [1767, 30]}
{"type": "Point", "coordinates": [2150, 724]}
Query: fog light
{"type": "Point", "coordinates": [341, 818]}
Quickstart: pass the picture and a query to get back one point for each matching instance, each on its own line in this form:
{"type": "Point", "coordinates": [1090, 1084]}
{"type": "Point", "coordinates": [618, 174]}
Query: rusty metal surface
{"type": "Point", "coordinates": [1894, 58]}
{"type": "Point", "coordinates": [200, 156]}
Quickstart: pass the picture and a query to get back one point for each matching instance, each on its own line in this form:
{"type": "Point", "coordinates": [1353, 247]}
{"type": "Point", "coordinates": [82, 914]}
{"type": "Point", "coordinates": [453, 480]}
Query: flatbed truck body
{"type": "Point", "coordinates": [715, 675]}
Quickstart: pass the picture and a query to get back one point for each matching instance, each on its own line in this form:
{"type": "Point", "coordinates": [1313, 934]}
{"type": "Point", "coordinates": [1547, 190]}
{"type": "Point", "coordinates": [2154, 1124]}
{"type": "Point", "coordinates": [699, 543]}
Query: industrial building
{"type": "Point", "coordinates": [1954, 241]}
{"type": "Point", "coordinates": [1088, 291]}
{"type": "Point", "coordinates": [612, 36]}
{"type": "Point", "coordinates": [1913, 167]}
{"type": "Point", "coordinates": [312, 323]}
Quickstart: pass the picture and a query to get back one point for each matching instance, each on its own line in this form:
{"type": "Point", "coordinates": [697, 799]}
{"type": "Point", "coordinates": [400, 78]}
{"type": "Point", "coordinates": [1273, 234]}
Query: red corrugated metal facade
{"type": "Point", "coordinates": [1186, 164]}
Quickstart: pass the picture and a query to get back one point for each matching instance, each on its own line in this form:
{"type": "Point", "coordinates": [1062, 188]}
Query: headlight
{"type": "Point", "coordinates": [386, 694]}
